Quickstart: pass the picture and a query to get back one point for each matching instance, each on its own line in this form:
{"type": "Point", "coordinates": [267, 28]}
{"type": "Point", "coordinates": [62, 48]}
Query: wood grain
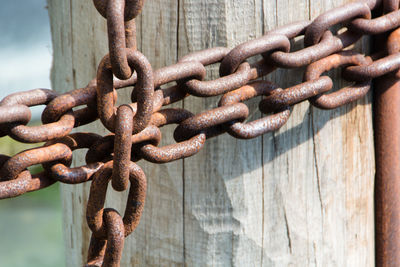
{"type": "Point", "coordinates": [302, 196]}
{"type": "Point", "coordinates": [223, 183]}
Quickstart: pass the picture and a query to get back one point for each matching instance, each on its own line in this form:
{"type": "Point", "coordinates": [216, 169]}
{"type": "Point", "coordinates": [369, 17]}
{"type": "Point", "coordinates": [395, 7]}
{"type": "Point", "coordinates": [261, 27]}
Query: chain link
{"type": "Point", "coordinates": [135, 126]}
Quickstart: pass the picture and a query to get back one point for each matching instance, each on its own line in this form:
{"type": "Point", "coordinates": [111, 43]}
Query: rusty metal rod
{"type": "Point", "coordinates": [387, 179]}
{"type": "Point", "coordinates": [387, 157]}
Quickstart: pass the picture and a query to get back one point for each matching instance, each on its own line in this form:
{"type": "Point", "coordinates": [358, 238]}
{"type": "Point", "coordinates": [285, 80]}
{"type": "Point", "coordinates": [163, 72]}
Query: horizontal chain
{"type": "Point", "coordinates": [136, 126]}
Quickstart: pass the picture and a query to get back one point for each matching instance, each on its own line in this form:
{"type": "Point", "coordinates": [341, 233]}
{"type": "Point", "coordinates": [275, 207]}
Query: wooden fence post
{"type": "Point", "coordinates": [301, 196]}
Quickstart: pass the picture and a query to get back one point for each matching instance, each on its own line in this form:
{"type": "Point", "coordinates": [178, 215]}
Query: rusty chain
{"type": "Point", "coordinates": [135, 126]}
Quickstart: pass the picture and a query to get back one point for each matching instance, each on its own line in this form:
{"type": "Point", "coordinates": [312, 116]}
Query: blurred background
{"type": "Point", "coordinates": [30, 225]}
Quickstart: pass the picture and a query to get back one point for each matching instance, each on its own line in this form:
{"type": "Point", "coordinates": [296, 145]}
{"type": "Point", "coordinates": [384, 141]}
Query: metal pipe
{"type": "Point", "coordinates": [387, 156]}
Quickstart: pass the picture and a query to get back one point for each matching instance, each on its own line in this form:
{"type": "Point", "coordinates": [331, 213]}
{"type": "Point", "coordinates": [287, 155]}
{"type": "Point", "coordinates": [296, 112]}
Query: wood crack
{"type": "Point", "coordinates": [287, 230]}
{"type": "Point", "coordinates": [316, 163]}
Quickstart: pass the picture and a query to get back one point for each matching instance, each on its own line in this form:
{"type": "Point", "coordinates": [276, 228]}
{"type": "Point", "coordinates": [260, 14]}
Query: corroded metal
{"type": "Point", "coordinates": [134, 206]}
{"type": "Point", "coordinates": [328, 45]}
{"type": "Point", "coordinates": [335, 16]}
{"type": "Point", "coordinates": [376, 26]}
{"type": "Point", "coordinates": [18, 163]}
{"type": "Point", "coordinates": [131, 10]}
{"type": "Point", "coordinates": [36, 134]}
{"type": "Point", "coordinates": [261, 126]}
{"type": "Point", "coordinates": [101, 150]}
{"type": "Point", "coordinates": [65, 102]}
{"type": "Point", "coordinates": [144, 89]}
{"type": "Point", "coordinates": [262, 45]}
{"type": "Point", "coordinates": [24, 183]}
{"type": "Point", "coordinates": [345, 95]}
{"type": "Point", "coordinates": [137, 125]}
{"type": "Point", "coordinates": [121, 34]}
{"type": "Point", "coordinates": [183, 149]}
{"type": "Point", "coordinates": [209, 122]}
{"type": "Point", "coordinates": [218, 86]}
{"type": "Point", "coordinates": [281, 98]}
{"type": "Point", "coordinates": [60, 170]}
{"type": "Point", "coordinates": [387, 155]}
{"type": "Point", "coordinates": [108, 252]}
{"type": "Point", "coordinates": [122, 148]}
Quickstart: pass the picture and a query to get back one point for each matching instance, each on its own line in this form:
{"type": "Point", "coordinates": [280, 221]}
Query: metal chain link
{"type": "Point", "coordinates": [135, 126]}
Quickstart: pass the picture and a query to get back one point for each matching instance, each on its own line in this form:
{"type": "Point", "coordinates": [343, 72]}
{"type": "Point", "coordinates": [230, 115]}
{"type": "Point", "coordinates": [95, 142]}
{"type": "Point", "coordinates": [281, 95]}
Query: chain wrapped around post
{"type": "Point", "coordinates": [135, 127]}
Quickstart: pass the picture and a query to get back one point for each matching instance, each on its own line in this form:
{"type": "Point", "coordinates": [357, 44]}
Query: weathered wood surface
{"type": "Point", "coordinates": [302, 196]}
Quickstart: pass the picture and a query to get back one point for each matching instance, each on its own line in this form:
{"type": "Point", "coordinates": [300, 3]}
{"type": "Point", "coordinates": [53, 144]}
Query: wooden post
{"type": "Point", "coordinates": [301, 196]}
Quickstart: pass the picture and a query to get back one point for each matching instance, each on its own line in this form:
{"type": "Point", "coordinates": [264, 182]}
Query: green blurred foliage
{"type": "Point", "coordinates": [31, 224]}
{"type": "Point", "coordinates": [10, 147]}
